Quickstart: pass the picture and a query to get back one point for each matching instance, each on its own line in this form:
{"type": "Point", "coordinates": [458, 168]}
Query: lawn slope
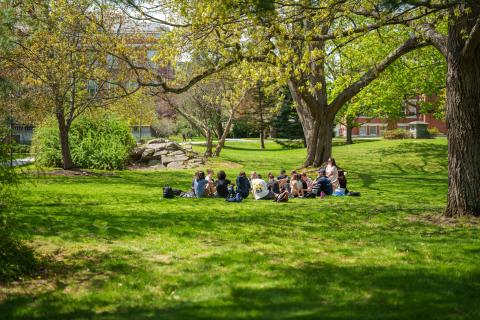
{"type": "Point", "coordinates": [119, 251]}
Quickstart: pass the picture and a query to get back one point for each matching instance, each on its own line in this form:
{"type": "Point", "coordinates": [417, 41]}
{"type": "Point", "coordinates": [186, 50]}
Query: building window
{"type": "Point", "coordinates": [373, 131]}
{"type": "Point", "coordinates": [363, 131]}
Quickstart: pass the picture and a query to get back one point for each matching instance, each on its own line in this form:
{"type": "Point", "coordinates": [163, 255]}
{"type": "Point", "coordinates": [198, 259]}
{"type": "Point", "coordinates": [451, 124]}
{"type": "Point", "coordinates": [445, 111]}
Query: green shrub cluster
{"type": "Point", "coordinates": [101, 142]}
{"type": "Point", "coordinates": [397, 134]}
{"type": "Point", "coordinates": [433, 132]}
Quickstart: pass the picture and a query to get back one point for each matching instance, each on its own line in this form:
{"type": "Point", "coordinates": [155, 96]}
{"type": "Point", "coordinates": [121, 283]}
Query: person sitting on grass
{"type": "Point", "coordinates": [222, 185]}
{"type": "Point", "coordinates": [253, 175]}
{"type": "Point", "coordinates": [199, 184]}
{"type": "Point", "coordinates": [260, 190]}
{"type": "Point", "coordinates": [342, 184]}
{"type": "Point", "coordinates": [243, 184]}
{"type": "Point", "coordinates": [332, 172]}
{"type": "Point", "coordinates": [296, 185]}
{"type": "Point", "coordinates": [210, 187]}
{"type": "Point", "coordinates": [273, 183]}
{"type": "Point", "coordinates": [307, 183]}
{"type": "Point", "coordinates": [322, 186]}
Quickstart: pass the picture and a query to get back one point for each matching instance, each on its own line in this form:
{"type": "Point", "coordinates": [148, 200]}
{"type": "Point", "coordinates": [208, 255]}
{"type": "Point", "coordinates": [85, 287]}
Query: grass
{"type": "Point", "coordinates": [119, 251]}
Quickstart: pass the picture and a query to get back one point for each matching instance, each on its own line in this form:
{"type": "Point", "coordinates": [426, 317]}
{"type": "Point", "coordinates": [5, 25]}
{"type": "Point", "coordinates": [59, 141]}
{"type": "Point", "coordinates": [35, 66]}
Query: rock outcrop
{"type": "Point", "coordinates": [162, 153]}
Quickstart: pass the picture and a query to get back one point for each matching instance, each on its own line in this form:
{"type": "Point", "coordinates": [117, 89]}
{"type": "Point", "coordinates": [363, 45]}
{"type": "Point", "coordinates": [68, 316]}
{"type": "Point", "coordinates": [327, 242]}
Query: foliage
{"type": "Point", "coordinates": [397, 134]}
{"type": "Point", "coordinates": [65, 58]}
{"type": "Point", "coordinates": [100, 142]}
{"type": "Point", "coordinates": [433, 132]}
{"type": "Point", "coordinates": [286, 123]}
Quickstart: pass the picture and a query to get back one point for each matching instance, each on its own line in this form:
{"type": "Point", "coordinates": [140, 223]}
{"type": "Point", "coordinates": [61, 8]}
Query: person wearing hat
{"type": "Point", "coordinates": [322, 184]}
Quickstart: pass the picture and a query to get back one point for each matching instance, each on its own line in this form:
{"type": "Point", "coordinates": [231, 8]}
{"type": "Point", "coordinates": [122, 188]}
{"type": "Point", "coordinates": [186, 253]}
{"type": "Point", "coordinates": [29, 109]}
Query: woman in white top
{"type": "Point", "coordinates": [332, 172]}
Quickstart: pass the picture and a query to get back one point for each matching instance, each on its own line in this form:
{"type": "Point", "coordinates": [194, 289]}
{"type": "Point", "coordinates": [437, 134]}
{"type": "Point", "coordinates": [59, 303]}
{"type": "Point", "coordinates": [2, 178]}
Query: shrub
{"type": "Point", "coordinates": [433, 132]}
{"type": "Point", "coordinates": [103, 142]}
{"type": "Point", "coordinates": [397, 134]}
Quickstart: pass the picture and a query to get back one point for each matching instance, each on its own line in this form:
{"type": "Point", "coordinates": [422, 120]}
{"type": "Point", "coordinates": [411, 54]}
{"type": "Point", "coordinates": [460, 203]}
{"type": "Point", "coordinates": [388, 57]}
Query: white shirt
{"type": "Point", "coordinates": [259, 188]}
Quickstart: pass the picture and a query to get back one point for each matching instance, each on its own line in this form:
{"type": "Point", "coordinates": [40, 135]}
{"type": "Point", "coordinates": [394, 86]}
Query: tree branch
{"type": "Point", "coordinates": [409, 45]}
{"type": "Point", "coordinates": [473, 40]}
{"type": "Point", "coordinates": [438, 40]}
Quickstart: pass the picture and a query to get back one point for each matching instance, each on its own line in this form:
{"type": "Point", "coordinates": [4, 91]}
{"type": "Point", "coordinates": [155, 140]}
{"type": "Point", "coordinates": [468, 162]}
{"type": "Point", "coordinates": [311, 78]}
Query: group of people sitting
{"type": "Point", "coordinates": [330, 180]}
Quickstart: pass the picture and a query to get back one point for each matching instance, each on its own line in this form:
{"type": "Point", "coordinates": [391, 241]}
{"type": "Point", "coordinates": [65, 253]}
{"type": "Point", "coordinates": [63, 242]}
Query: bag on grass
{"type": "Point", "coordinates": [177, 192]}
{"type": "Point", "coordinates": [354, 194]}
{"type": "Point", "coordinates": [282, 197]}
{"type": "Point", "coordinates": [237, 198]}
{"type": "Point", "coordinates": [168, 192]}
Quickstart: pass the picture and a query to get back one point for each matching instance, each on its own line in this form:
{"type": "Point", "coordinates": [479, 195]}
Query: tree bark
{"type": "Point", "coordinates": [64, 141]}
{"type": "Point", "coordinates": [208, 137]}
{"type": "Point", "coordinates": [463, 121]}
{"type": "Point", "coordinates": [219, 129]}
{"type": "Point", "coordinates": [349, 139]}
{"type": "Point", "coordinates": [226, 131]}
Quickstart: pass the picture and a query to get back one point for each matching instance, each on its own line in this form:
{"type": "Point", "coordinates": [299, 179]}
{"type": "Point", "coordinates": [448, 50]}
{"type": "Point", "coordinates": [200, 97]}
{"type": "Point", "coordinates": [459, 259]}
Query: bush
{"type": "Point", "coordinates": [103, 142]}
{"type": "Point", "coordinates": [397, 134]}
{"type": "Point", "coordinates": [433, 132]}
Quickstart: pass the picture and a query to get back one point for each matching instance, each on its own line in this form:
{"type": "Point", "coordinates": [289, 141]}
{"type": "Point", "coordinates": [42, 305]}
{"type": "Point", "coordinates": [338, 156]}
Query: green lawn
{"type": "Point", "coordinates": [117, 250]}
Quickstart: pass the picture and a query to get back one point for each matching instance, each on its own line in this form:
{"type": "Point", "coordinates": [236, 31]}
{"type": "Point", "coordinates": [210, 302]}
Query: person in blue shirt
{"type": "Point", "coordinates": [243, 185]}
{"type": "Point", "coordinates": [199, 184]}
{"type": "Point", "coordinates": [322, 183]}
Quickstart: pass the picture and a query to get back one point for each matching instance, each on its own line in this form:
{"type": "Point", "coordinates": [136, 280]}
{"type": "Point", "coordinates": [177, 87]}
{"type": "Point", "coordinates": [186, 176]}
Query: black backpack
{"type": "Point", "coordinates": [168, 192]}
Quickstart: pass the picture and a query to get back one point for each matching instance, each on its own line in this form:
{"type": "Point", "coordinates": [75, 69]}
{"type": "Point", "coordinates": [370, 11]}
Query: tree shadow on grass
{"type": "Point", "coordinates": [314, 290]}
{"type": "Point", "coordinates": [428, 153]}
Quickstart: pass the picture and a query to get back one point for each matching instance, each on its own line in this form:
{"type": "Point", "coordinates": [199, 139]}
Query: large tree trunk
{"type": "Point", "coordinates": [64, 141]}
{"type": "Point", "coordinates": [349, 139]}
{"type": "Point", "coordinates": [463, 123]}
{"type": "Point", "coordinates": [323, 149]}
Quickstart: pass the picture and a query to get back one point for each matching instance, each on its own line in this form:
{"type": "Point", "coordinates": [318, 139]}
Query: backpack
{"type": "Point", "coordinates": [282, 197]}
{"type": "Point", "coordinates": [237, 198]}
{"type": "Point", "coordinates": [168, 192]}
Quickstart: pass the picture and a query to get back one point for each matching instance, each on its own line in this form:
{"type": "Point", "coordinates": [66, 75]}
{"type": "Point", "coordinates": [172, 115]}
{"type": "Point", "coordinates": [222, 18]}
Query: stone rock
{"type": "Point", "coordinates": [147, 154]}
{"type": "Point", "coordinates": [154, 162]}
{"type": "Point", "coordinates": [176, 153]}
{"type": "Point", "coordinates": [167, 159]}
{"type": "Point", "coordinates": [157, 146]}
{"type": "Point", "coordinates": [172, 146]}
{"type": "Point", "coordinates": [137, 152]}
{"type": "Point", "coordinates": [156, 141]}
{"type": "Point", "coordinates": [180, 157]}
{"type": "Point", "coordinates": [175, 165]}
{"type": "Point", "coordinates": [159, 154]}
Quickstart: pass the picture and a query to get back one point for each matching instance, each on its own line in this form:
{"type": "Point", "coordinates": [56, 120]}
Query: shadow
{"type": "Point", "coordinates": [313, 290]}
{"type": "Point", "coordinates": [427, 152]}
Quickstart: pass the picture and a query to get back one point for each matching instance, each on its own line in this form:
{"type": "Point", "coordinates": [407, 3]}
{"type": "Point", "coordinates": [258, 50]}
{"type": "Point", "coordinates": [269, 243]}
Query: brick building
{"type": "Point", "coordinates": [374, 127]}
